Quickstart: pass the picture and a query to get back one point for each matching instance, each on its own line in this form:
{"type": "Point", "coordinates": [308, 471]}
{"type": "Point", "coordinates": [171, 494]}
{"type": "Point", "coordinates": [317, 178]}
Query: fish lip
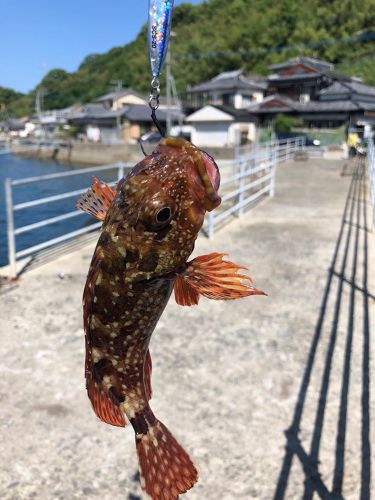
{"type": "Point", "coordinates": [209, 174]}
{"type": "Point", "coordinates": [212, 170]}
{"type": "Point", "coordinates": [205, 167]}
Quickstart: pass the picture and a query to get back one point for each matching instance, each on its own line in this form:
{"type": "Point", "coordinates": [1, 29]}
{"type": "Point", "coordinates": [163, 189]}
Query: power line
{"type": "Point", "coordinates": [358, 38]}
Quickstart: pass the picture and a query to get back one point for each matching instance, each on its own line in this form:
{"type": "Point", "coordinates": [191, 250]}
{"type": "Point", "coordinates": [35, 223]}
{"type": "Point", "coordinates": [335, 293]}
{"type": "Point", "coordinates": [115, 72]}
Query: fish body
{"type": "Point", "coordinates": [150, 225]}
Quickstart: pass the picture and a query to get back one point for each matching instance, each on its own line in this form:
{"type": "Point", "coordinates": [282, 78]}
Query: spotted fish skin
{"type": "Point", "coordinates": [150, 224]}
{"type": "Point", "coordinates": [147, 237]}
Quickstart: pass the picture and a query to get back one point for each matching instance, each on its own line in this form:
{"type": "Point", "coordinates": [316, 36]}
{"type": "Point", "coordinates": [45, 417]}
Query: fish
{"type": "Point", "coordinates": [150, 223]}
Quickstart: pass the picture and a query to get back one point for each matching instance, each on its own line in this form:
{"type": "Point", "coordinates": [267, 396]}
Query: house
{"type": "Point", "coordinates": [300, 78]}
{"type": "Point", "coordinates": [12, 126]}
{"type": "Point", "coordinates": [126, 123]}
{"type": "Point", "coordinates": [48, 123]}
{"type": "Point", "coordinates": [330, 110]}
{"type": "Point", "coordinates": [310, 90]}
{"type": "Point", "coordinates": [221, 126]}
{"type": "Point", "coordinates": [231, 88]}
{"type": "Point", "coordinates": [118, 99]}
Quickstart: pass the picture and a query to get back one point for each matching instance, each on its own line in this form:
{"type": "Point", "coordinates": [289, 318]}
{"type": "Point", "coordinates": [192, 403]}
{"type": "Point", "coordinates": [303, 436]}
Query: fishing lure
{"type": "Point", "coordinates": [159, 26]}
{"type": "Point", "coordinates": [150, 224]}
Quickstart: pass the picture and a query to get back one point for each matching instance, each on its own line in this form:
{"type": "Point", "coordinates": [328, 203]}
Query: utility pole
{"type": "Point", "coordinates": [169, 116]}
{"type": "Point", "coordinates": [39, 106]}
{"type": "Point", "coordinates": [168, 63]}
{"type": "Point", "coordinates": [118, 86]}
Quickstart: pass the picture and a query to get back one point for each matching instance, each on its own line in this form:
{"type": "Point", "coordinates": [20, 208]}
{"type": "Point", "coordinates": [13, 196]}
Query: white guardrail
{"type": "Point", "coordinates": [371, 177]}
{"type": "Point", "coordinates": [250, 176]}
{"type": "Point", "coordinates": [245, 179]}
{"type": "Point", "coordinates": [11, 209]}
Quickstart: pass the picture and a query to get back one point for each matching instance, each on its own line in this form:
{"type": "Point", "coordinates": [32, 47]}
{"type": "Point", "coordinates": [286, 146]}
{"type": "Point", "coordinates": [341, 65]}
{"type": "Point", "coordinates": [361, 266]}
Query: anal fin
{"type": "Point", "coordinates": [103, 407]}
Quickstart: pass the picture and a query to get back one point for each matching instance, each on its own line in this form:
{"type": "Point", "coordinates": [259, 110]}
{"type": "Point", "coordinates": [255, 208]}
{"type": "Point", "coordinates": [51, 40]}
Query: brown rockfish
{"type": "Point", "coordinates": [150, 224]}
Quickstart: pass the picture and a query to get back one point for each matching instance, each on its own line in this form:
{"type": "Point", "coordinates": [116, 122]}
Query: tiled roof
{"type": "Point", "coordinates": [230, 80]}
{"type": "Point", "coordinates": [348, 87]}
{"type": "Point", "coordinates": [238, 114]}
{"type": "Point", "coordinates": [309, 107]}
{"type": "Point", "coordinates": [295, 76]}
{"type": "Point", "coordinates": [131, 112]}
{"type": "Point", "coordinates": [318, 64]}
{"type": "Point", "coordinates": [285, 102]}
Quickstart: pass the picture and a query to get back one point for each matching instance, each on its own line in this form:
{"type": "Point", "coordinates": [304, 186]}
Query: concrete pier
{"type": "Point", "coordinates": [273, 397]}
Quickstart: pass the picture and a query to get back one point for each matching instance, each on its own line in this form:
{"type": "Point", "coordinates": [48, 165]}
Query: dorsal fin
{"type": "Point", "coordinates": [96, 200]}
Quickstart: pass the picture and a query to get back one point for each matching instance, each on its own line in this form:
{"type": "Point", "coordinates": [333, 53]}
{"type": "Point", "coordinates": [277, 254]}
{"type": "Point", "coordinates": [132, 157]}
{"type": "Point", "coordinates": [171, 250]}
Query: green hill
{"type": "Point", "coordinates": [219, 35]}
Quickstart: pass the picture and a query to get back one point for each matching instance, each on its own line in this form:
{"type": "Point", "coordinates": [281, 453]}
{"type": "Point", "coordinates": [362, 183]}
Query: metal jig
{"type": "Point", "coordinates": [159, 26]}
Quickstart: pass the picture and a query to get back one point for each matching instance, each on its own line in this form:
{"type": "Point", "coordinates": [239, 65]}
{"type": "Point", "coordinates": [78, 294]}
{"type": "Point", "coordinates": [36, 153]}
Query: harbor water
{"type": "Point", "coordinates": [16, 167]}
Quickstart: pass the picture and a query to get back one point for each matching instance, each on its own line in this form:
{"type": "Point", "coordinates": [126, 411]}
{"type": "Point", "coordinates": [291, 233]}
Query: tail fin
{"type": "Point", "coordinates": [166, 469]}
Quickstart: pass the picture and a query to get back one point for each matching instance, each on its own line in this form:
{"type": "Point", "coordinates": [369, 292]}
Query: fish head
{"type": "Point", "coordinates": [160, 206]}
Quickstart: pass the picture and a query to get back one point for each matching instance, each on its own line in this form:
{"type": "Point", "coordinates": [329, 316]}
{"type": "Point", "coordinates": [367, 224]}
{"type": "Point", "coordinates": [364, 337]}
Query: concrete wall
{"type": "Point", "coordinates": [100, 154]}
{"type": "Point", "coordinates": [92, 154]}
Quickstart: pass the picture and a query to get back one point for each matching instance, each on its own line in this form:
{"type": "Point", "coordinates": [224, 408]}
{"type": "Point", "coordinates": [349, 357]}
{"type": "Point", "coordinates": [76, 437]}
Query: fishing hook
{"type": "Point", "coordinates": [141, 146]}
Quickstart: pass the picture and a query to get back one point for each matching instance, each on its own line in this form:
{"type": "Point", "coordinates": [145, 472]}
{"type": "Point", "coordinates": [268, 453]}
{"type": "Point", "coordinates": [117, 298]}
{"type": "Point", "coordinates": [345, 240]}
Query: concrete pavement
{"type": "Point", "coordinates": [229, 378]}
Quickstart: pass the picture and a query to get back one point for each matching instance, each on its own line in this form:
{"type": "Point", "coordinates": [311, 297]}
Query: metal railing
{"type": "Point", "coordinates": [248, 177]}
{"type": "Point", "coordinates": [371, 177]}
{"type": "Point", "coordinates": [245, 179]}
{"type": "Point", "coordinates": [11, 209]}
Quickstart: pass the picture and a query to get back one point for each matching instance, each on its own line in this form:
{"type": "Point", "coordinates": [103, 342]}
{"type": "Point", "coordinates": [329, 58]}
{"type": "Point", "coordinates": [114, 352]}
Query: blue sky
{"type": "Point", "coordinates": [39, 35]}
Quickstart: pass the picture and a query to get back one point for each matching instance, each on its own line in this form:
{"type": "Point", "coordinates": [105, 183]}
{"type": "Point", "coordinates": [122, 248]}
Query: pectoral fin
{"type": "Point", "coordinates": [214, 278]}
{"type": "Point", "coordinates": [96, 200]}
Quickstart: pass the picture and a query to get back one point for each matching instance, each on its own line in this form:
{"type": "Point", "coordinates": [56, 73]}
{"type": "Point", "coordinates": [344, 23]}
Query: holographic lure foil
{"type": "Point", "coordinates": [159, 26]}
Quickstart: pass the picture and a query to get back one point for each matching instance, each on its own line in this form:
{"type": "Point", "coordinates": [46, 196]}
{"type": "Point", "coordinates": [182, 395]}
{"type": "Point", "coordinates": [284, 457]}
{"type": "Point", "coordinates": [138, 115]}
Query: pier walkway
{"type": "Point", "coordinates": [273, 396]}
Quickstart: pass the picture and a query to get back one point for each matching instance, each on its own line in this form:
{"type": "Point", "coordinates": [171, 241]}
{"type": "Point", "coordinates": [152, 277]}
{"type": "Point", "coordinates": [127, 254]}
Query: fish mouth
{"type": "Point", "coordinates": [212, 170]}
{"type": "Point", "coordinates": [208, 173]}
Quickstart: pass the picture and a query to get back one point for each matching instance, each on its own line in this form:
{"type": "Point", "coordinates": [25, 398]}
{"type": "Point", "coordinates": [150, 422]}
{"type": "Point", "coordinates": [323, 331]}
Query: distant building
{"type": "Point", "coordinates": [119, 98]}
{"type": "Point", "coordinates": [12, 126]}
{"type": "Point", "coordinates": [49, 122]}
{"type": "Point", "coordinates": [310, 90]}
{"type": "Point", "coordinates": [231, 88]}
{"type": "Point", "coordinates": [126, 123]}
{"type": "Point", "coordinates": [299, 78]}
{"type": "Point", "coordinates": [221, 126]}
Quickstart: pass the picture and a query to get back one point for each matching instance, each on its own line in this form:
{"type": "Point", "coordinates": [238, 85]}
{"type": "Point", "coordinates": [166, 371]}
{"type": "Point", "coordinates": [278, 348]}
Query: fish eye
{"type": "Point", "coordinates": [164, 215]}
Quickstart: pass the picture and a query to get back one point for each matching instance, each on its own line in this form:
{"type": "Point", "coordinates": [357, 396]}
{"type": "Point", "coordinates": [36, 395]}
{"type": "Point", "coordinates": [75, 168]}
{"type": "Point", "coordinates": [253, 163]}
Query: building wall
{"type": "Point", "coordinates": [241, 133]}
{"type": "Point", "coordinates": [128, 99]}
{"type": "Point", "coordinates": [109, 135]}
{"type": "Point", "coordinates": [214, 134]}
{"type": "Point", "coordinates": [222, 134]}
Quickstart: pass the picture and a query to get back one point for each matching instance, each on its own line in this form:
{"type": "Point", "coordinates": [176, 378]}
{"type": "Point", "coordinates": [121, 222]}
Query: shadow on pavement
{"type": "Point", "coordinates": [353, 235]}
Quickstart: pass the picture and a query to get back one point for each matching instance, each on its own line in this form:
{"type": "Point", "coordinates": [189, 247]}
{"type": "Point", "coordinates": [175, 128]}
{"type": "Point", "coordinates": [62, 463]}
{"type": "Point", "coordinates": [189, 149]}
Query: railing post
{"type": "Point", "coordinates": [241, 186]}
{"type": "Point", "coordinates": [287, 152]}
{"type": "Point", "coordinates": [10, 228]}
{"type": "Point", "coordinates": [273, 170]}
{"type": "Point", "coordinates": [211, 222]}
{"type": "Point", "coordinates": [120, 170]}
{"type": "Point", "coordinates": [371, 177]}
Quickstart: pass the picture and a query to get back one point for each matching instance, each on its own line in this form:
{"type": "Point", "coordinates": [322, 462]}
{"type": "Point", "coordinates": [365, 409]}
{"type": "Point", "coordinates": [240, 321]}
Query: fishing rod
{"type": "Point", "coordinates": [159, 27]}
